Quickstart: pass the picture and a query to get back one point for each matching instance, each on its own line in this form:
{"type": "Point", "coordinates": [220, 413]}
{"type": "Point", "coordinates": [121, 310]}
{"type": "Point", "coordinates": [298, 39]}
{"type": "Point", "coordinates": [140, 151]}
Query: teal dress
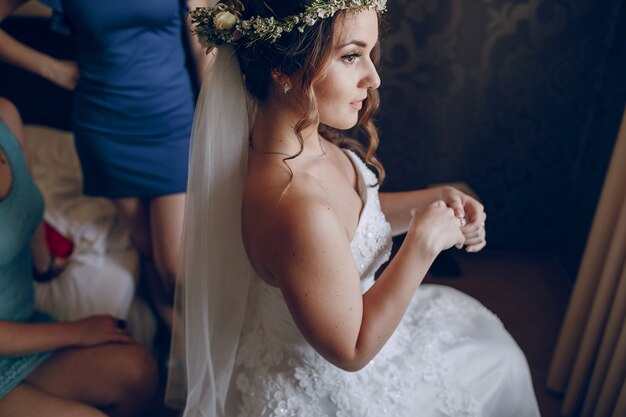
{"type": "Point", "coordinates": [21, 212]}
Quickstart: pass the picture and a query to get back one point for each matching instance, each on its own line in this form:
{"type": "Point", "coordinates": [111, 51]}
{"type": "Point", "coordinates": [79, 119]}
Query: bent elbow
{"type": "Point", "coordinates": [352, 366]}
{"type": "Point", "coordinates": [350, 362]}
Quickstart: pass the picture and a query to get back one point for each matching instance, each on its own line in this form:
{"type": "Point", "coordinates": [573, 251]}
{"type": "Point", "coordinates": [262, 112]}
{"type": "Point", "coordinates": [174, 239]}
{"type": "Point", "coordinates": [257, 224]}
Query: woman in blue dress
{"type": "Point", "coordinates": [132, 115]}
{"type": "Point", "coordinates": [46, 367]}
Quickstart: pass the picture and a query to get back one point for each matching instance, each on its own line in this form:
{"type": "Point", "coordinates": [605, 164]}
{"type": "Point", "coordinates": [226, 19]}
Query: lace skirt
{"type": "Point", "coordinates": [449, 356]}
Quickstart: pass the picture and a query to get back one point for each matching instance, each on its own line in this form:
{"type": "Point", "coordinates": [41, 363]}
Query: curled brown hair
{"type": "Point", "coordinates": [308, 53]}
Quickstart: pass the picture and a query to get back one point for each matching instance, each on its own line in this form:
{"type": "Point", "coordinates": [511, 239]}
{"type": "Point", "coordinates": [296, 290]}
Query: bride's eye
{"type": "Point", "coordinates": [351, 57]}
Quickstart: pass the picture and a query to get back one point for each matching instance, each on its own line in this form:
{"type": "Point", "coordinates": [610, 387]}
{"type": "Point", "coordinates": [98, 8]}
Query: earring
{"type": "Point", "coordinates": [286, 88]}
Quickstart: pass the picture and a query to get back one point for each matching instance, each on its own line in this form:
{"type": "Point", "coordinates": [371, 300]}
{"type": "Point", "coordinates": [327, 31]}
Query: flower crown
{"type": "Point", "coordinates": [223, 23]}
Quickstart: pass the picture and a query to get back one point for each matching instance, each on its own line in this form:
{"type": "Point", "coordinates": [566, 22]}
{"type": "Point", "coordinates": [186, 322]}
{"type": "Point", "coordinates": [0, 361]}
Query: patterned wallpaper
{"type": "Point", "coordinates": [502, 95]}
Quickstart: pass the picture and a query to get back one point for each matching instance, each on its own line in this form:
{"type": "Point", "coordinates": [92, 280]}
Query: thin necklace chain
{"type": "Point", "coordinates": [251, 145]}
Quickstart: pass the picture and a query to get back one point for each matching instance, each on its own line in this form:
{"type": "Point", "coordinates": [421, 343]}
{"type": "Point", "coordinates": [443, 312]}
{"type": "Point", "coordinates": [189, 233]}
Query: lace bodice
{"type": "Point", "coordinates": [371, 244]}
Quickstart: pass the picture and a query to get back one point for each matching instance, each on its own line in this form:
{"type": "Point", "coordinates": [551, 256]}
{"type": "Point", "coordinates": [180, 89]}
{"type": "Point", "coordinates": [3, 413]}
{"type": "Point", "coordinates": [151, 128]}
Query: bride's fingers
{"type": "Point", "coordinates": [474, 241]}
{"type": "Point", "coordinates": [480, 233]}
{"type": "Point", "coordinates": [473, 235]}
{"type": "Point", "coordinates": [476, 247]}
{"type": "Point", "coordinates": [476, 225]}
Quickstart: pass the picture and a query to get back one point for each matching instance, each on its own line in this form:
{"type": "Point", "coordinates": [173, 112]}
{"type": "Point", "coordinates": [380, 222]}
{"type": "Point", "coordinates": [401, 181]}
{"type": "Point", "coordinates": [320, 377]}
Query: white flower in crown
{"type": "Point", "coordinates": [225, 20]}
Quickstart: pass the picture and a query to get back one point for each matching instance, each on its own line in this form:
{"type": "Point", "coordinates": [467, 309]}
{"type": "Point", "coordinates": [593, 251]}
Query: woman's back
{"type": "Point", "coordinates": [279, 191]}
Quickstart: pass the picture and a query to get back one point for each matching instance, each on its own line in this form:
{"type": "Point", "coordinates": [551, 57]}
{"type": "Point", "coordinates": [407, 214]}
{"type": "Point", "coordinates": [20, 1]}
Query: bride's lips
{"type": "Point", "coordinates": [357, 104]}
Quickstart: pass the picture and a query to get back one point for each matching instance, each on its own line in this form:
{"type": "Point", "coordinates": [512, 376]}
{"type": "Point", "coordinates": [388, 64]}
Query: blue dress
{"type": "Point", "coordinates": [21, 212]}
{"type": "Point", "coordinates": [133, 105]}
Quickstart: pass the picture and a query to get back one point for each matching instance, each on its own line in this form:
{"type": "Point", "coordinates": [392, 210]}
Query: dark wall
{"type": "Point", "coordinates": [520, 99]}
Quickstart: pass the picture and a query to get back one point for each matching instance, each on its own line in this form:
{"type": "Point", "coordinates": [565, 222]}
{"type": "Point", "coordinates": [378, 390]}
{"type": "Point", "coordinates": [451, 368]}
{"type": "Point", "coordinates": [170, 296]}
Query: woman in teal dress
{"type": "Point", "coordinates": [132, 114]}
{"type": "Point", "coordinates": [47, 367]}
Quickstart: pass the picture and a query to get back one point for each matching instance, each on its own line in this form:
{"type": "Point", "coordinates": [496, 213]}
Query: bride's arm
{"type": "Point", "coordinates": [397, 206]}
{"type": "Point", "coordinates": [309, 256]}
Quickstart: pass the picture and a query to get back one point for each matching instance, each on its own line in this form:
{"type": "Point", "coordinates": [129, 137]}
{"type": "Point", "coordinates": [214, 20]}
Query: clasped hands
{"type": "Point", "coordinates": [471, 215]}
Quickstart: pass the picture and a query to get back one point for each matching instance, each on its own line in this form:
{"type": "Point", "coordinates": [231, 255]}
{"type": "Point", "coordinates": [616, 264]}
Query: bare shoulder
{"type": "Point", "coordinates": [305, 209]}
{"type": "Point", "coordinates": [286, 221]}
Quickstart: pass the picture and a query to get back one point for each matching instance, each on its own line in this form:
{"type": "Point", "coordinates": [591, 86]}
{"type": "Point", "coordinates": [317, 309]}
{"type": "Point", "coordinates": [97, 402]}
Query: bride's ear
{"type": "Point", "coordinates": [282, 81]}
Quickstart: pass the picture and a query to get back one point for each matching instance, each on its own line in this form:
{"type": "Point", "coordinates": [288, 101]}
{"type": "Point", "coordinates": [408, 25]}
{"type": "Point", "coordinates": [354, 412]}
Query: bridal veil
{"type": "Point", "coordinates": [212, 292]}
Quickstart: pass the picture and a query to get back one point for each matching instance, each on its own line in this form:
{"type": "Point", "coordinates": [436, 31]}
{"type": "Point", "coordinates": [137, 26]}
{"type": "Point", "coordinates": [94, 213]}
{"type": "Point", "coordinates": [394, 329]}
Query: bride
{"type": "Point", "coordinates": [285, 230]}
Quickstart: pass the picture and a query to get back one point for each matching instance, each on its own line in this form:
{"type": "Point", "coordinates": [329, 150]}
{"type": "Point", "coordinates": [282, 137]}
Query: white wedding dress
{"type": "Point", "coordinates": [449, 356]}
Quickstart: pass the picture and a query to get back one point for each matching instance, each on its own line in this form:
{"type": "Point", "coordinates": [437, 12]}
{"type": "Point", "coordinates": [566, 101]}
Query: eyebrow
{"type": "Point", "coordinates": [354, 42]}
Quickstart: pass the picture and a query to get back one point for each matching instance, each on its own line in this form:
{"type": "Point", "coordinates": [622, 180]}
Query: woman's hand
{"type": "Point", "coordinates": [436, 227]}
{"type": "Point", "coordinates": [63, 73]}
{"type": "Point", "coordinates": [97, 330]}
{"type": "Point", "coordinates": [17, 339]}
{"type": "Point", "coordinates": [54, 268]}
{"type": "Point", "coordinates": [468, 208]}
{"type": "Point", "coordinates": [59, 264]}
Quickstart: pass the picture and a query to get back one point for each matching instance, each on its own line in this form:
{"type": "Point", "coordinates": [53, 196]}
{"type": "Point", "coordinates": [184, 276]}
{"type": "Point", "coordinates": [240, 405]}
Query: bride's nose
{"type": "Point", "coordinates": [370, 79]}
